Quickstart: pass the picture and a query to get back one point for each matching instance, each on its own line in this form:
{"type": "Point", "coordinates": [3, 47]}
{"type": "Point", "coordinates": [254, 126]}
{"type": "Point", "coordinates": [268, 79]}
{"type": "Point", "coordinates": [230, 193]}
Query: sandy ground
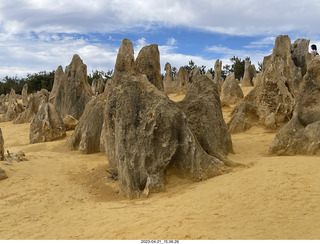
{"type": "Point", "coordinates": [62, 194]}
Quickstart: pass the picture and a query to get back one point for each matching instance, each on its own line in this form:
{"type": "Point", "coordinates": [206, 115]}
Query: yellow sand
{"type": "Point", "coordinates": [62, 194]}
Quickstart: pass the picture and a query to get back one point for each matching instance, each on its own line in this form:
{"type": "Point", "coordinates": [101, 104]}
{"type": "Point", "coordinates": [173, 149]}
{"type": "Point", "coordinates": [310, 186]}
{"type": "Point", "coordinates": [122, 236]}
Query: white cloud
{"type": "Point", "coordinates": [30, 54]}
{"type": "Point", "coordinates": [42, 34]}
{"type": "Point", "coordinates": [247, 17]}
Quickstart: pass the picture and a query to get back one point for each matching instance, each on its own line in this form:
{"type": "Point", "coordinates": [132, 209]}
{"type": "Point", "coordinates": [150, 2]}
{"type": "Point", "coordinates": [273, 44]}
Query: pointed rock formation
{"type": "Point", "coordinates": [145, 133]}
{"type": "Point", "coordinates": [24, 94]}
{"type": "Point", "coordinates": [182, 77]}
{"type": "Point", "coordinates": [203, 109]}
{"type": "Point", "coordinates": [72, 90]}
{"type": "Point", "coordinates": [47, 125]}
{"type": "Point", "coordinates": [274, 94]}
{"type": "Point", "coordinates": [125, 58]}
{"type": "Point", "coordinates": [249, 74]}
{"type": "Point", "coordinates": [231, 92]}
{"type": "Point", "coordinates": [170, 85]}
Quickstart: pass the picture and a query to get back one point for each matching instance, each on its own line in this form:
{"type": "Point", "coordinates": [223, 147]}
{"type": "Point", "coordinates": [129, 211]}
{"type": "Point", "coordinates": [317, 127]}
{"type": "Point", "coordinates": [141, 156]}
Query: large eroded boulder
{"type": "Point", "coordinates": [301, 134]}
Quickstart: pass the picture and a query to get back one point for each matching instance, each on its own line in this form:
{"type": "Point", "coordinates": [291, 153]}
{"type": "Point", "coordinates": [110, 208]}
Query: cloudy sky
{"type": "Point", "coordinates": [37, 35]}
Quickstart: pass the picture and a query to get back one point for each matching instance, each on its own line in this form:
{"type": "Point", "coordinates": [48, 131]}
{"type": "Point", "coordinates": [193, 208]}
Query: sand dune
{"type": "Point", "coordinates": [62, 194]}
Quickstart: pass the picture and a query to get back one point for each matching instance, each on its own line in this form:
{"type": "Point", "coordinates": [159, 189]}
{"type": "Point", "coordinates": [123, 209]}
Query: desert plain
{"type": "Point", "coordinates": [62, 194]}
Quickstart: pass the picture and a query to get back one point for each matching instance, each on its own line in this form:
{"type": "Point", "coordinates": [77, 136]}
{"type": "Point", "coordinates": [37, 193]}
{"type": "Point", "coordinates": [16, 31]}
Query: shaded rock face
{"type": "Point", "coordinates": [148, 63]}
{"type": "Point", "coordinates": [245, 116]}
{"type": "Point", "coordinates": [231, 92]}
{"type": "Point", "coordinates": [3, 174]}
{"type": "Point", "coordinates": [145, 134]}
{"type": "Point", "coordinates": [97, 86]}
{"type": "Point", "coordinates": [58, 77]}
{"type": "Point", "coordinates": [203, 109]}
{"type": "Point", "coordinates": [32, 107]}
{"type": "Point", "coordinates": [301, 134]}
{"type": "Point", "coordinates": [249, 74]}
{"type": "Point", "coordinates": [47, 125]}
{"type": "Point", "coordinates": [274, 94]}
{"type": "Point", "coordinates": [69, 122]}
{"type": "Point", "coordinates": [13, 109]}
{"type": "Point", "coordinates": [300, 54]}
{"type": "Point", "coordinates": [86, 136]}
{"type": "Point", "coordinates": [1, 146]}
{"type": "Point", "coordinates": [72, 91]}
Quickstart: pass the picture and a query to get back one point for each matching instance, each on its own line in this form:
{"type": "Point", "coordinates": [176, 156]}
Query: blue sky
{"type": "Point", "coordinates": [38, 35]}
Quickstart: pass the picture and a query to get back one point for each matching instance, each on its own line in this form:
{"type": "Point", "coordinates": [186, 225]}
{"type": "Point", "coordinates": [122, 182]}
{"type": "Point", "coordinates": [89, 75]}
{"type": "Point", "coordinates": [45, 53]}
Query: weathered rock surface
{"type": "Point", "coordinates": [203, 109]}
{"type": "Point", "coordinates": [47, 125]}
{"type": "Point", "coordinates": [274, 94]}
{"type": "Point", "coordinates": [69, 122]}
{"type": "Point", "coordinates": [32, 107]}
{"type": "Point", "coordinates": [231, 92]}
{"type": "Point", "coordinates": [125, 58]}
{"type": "Point", "coordinates": [245, 116]}
{"type": "Point", "coordinates": [86, 136]}
{"type": "Point", "coordinates": [148, 63]}
{"type": "Point", "coordinates": [72, 91]}
{"type": "Point", "coordinates": [194, 74]}
{"type": "Point", "coordinates": [301, 135]}
{"type": "Point", "coordinates": [145, 134]}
